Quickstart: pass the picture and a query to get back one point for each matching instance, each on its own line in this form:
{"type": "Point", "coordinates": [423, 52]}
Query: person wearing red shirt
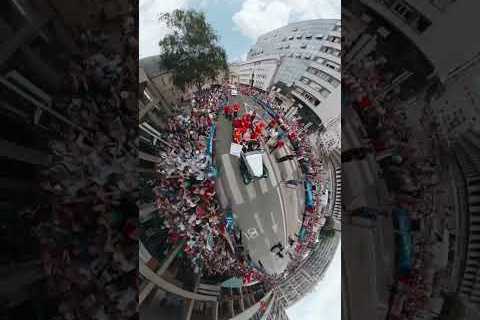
{"type": "Point", "coordinates": [277, 145]}
{"type": "Point", "coordinates": [236, 109]}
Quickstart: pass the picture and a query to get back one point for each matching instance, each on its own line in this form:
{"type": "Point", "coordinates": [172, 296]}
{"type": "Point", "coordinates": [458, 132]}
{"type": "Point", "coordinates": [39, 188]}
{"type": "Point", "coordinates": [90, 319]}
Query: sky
{"type": "Point", "coordinates": [237, 22]}
{"type": "Point", "coordinates": [325, 301]}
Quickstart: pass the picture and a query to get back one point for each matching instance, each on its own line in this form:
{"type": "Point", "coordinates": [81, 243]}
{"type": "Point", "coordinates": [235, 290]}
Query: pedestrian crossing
{"type": "Point", "coordinates": [233, 185]}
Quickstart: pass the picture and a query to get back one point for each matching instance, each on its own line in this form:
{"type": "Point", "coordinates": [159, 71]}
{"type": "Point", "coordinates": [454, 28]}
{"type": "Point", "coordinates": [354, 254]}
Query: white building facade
{"type": "Point", "coordinates": [428, 22]}
{"type": "Point", "coordinates": [318, 87]}
{"type": "Point", "coordinates": [258, 72]}
{"type": "Point", "coordinates": [296, 44]}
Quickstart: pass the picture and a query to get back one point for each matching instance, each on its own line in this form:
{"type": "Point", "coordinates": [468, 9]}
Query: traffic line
{"type": "Point", "coordinates": [231, 179]}
{"type": "Point", "coordinates": [274, 223]}
{"type": "Point", "coordinates": [263, 186]}
{"type": "Point", "coordinates": [222, 197]}
{"type": "Point", "coordinates": [268, 243]}
{"type": "Point", "coordinates": [252, 194]}
{"type": "Point", "coordinates": [271, 172]}
{"type": "Point", "coordinates": [259, 223]}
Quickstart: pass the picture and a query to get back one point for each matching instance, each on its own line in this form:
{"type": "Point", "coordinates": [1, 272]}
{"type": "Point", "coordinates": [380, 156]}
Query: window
{"type": "Point", "coordinates": [303, 46]}
{"type": "Point", "coordinates": [410, 16]}
{"type": "Point", "coordinates": [305, 80]}
{"type": "Point", "coordinates": [299, 36]}
{"type": "Point", "coordinates": [309, 36]}
{"type": "Point", "coordinates": [319, 36]}
{"type": "Point", "coordinates": [331, 51]}
{"type": "Point", "coordinates": [333, 39]}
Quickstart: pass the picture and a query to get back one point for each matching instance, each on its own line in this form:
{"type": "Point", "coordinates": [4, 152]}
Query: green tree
{"type": "Point", "coordinates": [191, 52]}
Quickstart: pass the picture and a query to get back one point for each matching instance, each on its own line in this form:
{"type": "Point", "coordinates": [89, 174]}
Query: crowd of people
{"type": "Point", "coordinates": [185, 190]}
{"type": "Point", "coordinates": [88, 233]}
{"type": "Point", "coordinates": [411, 176]}
{"type": "Point", "coordinates": [282, 131]}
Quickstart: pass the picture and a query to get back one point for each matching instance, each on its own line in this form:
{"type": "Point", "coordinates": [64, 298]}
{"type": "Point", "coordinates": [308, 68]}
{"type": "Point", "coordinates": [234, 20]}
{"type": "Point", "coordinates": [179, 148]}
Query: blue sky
{"type": "Point", "coordinates": [238, 22]}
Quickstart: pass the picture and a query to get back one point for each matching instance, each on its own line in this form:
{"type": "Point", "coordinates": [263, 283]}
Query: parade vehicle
{"type": "Point", "coordinates": [252, 167]}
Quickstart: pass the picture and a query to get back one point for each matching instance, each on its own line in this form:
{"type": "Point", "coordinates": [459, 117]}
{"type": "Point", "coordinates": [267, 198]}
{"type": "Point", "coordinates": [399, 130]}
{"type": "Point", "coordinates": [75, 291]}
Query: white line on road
{"type": "Point", "coordinates": [231, 179]}
{"type": "Point", "coordinates": [221, 194]}
{"type": "Point", "coordinates": [274, 223]}
{"type": "Point", "coordinates": [268, 243]}
{"type": "Point", "coordinates": [280, 196]}
{"type": "Point", "coordinates": [259, 223]}
{"type": "Point", "coordinates": [271, 173]}
{"type": "Point", "coordinates": [263, 186]}
{"type": "Point", "coordinates": [251, 191]}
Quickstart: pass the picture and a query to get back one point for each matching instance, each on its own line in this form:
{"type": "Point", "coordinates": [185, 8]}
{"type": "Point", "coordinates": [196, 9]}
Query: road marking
{"type": "Point", "coordinates": [251, 191]}
{"type": "Point", "coordinates": [263, 186]}
{"type": "Point", "coordinates": [259, 223]}
{"type": "Point", "coordinates": [222, 197]}
{"type": "Point", "coordinates": [271, 172]}
{"type": "Point", "coordinates": [251, 233]}
{"type": "Point", "coordinates": [268, 243]}
{"type": "Point", "coordinates": [274, 223]}
{"type": "Point", "coordinates": [231, 179]}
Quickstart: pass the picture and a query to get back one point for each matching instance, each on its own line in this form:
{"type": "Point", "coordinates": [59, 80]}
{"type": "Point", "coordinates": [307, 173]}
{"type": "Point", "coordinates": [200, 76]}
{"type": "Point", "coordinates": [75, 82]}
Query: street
{"type": "Point", "coordinates": [266, 210]}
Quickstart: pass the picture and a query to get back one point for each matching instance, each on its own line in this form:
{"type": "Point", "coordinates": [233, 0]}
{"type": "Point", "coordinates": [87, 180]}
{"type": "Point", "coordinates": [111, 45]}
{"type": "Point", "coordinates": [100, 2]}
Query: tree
{"type": "Point", "coordinates": [191, 52]}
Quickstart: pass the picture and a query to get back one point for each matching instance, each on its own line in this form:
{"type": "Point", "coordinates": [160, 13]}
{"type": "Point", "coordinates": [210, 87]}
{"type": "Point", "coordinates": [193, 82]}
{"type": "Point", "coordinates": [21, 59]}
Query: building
{"type": "Point", "coordinates": [425, 23]}
{"type": "Point", "coordinates": [467, 226]}
{"type": "Point", "coordinates": [309, 273]}
{"type": "Point", "coordinates": [318, 87]}
{"type": "Point", "coordinates": [258, 72]}
{"type": "Point", "coordinates": [296, 44]}
{"type": "Point", "coordinates": [234, 73]}
{"type": "Point", "coordinates": [162, 78]}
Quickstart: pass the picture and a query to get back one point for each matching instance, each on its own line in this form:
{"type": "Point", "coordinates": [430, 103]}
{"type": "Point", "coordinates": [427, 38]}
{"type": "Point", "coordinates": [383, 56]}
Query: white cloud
{"type": "Point", "coordinates": [151, 31]}
{"type": "Point", "coordinates": [257, 17]}
{"type": "Point", "coordinates": [326, 300]}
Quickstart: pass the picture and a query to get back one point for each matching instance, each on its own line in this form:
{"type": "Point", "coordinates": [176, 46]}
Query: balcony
{"type": "Point", "coordinates": [329, 57]}
{"type": "Point", "coordinates": [334, 45]}
{"type": "Point", "coordinates": [327, 70]}
{"type": "Point", "coordinates": [324, 83]}
{"type": "Point", "coordinates": [311, 91]}
{"type": "Point", "coordinates": [303, 99]}
{"type": "Point", "coordinates": [336, 34]}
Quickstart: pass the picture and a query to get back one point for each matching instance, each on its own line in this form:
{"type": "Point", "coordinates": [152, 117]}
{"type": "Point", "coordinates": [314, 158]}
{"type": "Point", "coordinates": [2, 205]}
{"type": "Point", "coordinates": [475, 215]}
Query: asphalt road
{"type": "Point", "coordinates": [265, 210]}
